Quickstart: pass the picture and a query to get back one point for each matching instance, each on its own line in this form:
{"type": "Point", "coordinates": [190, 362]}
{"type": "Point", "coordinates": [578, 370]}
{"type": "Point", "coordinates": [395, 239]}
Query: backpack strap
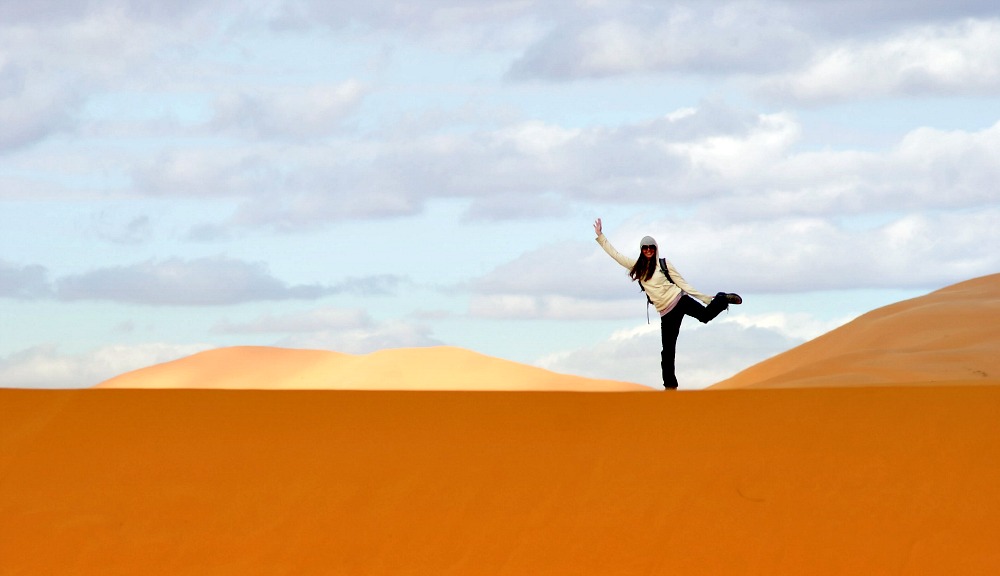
{"type": "Point", "coordinates": [663, 268]}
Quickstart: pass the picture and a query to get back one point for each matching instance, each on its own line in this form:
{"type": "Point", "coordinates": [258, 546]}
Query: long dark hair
{"type": "Point", "coordinates": [643, 268]}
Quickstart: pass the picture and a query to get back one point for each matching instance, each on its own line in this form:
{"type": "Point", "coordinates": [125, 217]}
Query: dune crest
{"type": "Point", "coordinates": [433, 368]}
{"type": "Point", "coordinates": [950, 336]}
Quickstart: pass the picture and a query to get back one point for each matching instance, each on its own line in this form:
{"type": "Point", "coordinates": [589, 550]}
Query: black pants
{"type": "Point", "coordinates": [670, 327]}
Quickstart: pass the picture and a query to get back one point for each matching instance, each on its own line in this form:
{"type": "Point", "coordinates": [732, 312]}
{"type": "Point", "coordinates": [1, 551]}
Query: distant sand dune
{"type": "Point", "coordinates": [951, 336]}
{"type": "Point", "coordinates": [434, 368]}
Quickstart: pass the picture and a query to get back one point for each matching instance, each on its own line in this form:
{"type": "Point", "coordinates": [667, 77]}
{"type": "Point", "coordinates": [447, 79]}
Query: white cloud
{"type": "Point", "coordinates": [511, 24]}
{"type": "Point", "coordinates": [174, 281]}
{"type": "Point", "coordinates": [31, 108]}
{"type": "Point", "coordinates": [939, 59]}
{"type": "Point", "coordinates": [569, 269]}
{"type": "Point", "coordinates": [365, 339]}
{"type": "Point", "coordinates": [864, 17]}
{"type": "Point", "coordinates": [843, 49]}
{"type": "Point", "coordinates": [111, 228]}
{"type": "Point", "coordinates": [230, 171]}
{"type": "Point", "coordinates": [807, 254]}
{"type": "Point", "coordinates": [449, 24]}
{"type": "Point", "coordinates": [24, 282]}
{"type": "Point", "coordinates": [45, 367]}
{"type": "Point", "coordinates": [203, 281]}
{"type": "Point", "coordinates": [526, 306]}
{"type": "Point", "coordinates": [773, 256]}
{"type": "Point", "coordinates": [525, 163]}
{"type": "Point", "coordinates": [351, 331]}
{"type": "Point", "coordinates": [90, 45]}
{"type": "Point", "coordinates": [947, 169]}
{"type": "Point", "coordinates": [737, 157]}
{"type": "Point", "coordinates": [317, 320]}
{"type": "Point", "coordinates": [927, 169]}
{"type": "Point", "coordinates": [799, 326]}
{"type": "Point", "coordinates": [743, 165]}
{"type": "Point", "coordinates": [706, 354]}
{"type": "Point", "coordinates": [703, 38]}
{"type": "Point", "coordinates": [287, 187]}
{"type": "Point", "coordinates": [296, 112]}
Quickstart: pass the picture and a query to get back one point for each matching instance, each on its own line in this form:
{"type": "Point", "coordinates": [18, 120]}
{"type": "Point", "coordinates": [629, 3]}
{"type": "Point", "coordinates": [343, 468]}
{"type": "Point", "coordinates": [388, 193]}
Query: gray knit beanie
{"type": "Point", "coordinates": [647, 241]}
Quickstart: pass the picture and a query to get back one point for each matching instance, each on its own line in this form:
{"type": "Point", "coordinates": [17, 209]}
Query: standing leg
{"type": "Point", "coordinates": [670, 327]}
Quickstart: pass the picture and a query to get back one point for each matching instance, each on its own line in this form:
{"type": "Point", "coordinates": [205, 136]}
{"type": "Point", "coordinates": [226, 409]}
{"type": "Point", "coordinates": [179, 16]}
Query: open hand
{"type": "Point", "coordinates": [597, 226]}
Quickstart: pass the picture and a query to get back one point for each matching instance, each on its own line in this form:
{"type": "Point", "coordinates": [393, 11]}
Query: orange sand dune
{"type": "Point", "coordinates": [812, 481]}
{"type": "Point", "coordinates": [951, 336]}
{"type": "Point", "coordinates": [436, 368]}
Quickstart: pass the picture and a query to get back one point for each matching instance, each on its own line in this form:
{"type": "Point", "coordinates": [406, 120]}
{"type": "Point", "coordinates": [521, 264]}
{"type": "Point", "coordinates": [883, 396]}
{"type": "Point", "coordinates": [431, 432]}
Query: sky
{"type": "Point", "coordinates": [177, 176]}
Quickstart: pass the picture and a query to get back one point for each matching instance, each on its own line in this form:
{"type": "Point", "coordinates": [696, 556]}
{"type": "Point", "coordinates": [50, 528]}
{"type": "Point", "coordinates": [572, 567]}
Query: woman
{"type": "Point", "coordinates": [672, 296]}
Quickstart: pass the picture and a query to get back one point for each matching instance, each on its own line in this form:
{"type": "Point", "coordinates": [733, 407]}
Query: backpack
{"type": "Point", "coordinates": [663, 268]}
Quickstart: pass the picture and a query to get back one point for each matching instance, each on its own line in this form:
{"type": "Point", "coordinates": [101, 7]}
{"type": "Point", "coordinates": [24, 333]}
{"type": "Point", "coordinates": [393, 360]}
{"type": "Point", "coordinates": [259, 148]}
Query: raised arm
{"type": "Point", "coordinates": [625, 261]}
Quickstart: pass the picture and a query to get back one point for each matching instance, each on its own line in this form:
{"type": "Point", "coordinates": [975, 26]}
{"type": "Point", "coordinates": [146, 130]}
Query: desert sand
{"type": "Point", "coordinates": [432, 368]}
{"type": "Point", "coordinates": [951, 336]}
{"type": "Point", "coordinates": [831, 477]}
{"type": "Point", "coordinates": [795, 481]}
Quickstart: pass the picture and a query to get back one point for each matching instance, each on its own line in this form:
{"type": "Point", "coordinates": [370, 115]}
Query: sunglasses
{"type": "Point", "coordinates": [649, 247]}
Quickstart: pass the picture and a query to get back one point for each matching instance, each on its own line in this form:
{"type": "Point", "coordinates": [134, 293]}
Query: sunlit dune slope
{"type": "Point", "coordinates": [435, 368]}
{"type": "Point", "coordinates": [951, 336]}
{"type": "Point", "coordinates": [813, 481]}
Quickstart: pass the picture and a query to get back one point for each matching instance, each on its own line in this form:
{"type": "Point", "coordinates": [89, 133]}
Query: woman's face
{"type": "Point", "coordinates": [649, 251]}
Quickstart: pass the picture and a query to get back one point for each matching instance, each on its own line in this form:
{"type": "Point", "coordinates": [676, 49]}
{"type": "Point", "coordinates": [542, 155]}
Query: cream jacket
{"type": "Point", "coordinates": [660, 291]}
